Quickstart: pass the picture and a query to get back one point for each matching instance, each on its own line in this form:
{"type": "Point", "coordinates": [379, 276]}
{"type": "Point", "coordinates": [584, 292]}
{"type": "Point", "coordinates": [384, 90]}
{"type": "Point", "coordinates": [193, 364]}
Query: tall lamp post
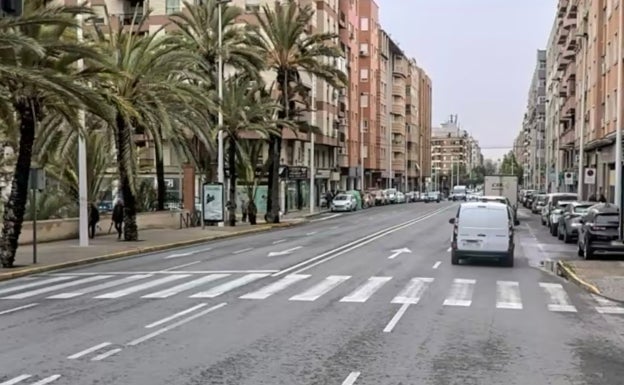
{"type": "Point", "coordinates": [618, 128]}
{"type": "Point", "coordinates": [220, 151]}
{"type": "Point", "coordinates": [362, 96]}
{"type": "Point", "coordinates": [83, 199]}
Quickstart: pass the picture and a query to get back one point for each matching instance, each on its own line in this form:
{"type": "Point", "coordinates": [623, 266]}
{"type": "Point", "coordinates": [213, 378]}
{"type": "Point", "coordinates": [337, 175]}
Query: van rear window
{"type": "Point", "coordinates": [483, 217]}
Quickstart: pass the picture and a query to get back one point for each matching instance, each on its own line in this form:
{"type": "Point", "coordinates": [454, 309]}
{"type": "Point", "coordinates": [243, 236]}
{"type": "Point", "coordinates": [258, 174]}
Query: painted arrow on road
{"type": "Point", "coordinates": [283, 252]}
{"type": "Point", "coordinates": [397, 252]}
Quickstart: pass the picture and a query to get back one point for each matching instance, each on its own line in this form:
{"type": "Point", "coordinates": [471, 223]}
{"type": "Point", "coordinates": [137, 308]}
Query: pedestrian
{"type": "Point", "coordinates": [118, 216]}
{"type": "Point", "coordinates": [602, 198]}
{"type": "Point", "coordinates": [244, 210]}
{"type": "Point", "coordinates": [94, 218]}
{"type": "Point", "coordinates": [592, 198]}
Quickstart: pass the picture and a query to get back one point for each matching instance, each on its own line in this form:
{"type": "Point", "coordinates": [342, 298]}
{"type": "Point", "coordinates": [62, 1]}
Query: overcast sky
{"type": "Point", "coordinates": [480, 55]}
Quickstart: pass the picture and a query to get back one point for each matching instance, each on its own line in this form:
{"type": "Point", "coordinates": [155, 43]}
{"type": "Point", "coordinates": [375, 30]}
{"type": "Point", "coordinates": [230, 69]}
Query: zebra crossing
{"type": "Point", "coordinates": [295, 287]}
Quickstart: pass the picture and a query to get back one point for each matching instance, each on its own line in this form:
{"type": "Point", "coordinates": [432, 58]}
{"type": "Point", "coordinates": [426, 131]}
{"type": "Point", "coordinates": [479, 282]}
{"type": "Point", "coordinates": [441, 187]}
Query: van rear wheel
{"type": "Point", "coordinates": [508, 261]}
{"type": "Point", "coordinates": [454, 258]}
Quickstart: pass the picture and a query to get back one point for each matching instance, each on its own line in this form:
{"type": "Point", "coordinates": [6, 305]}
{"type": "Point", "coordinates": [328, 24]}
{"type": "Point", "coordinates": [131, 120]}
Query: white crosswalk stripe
{"type": "Point", "coordinates": [59, 286]}
{"type": "Point", "coordinates": [185, 286]}
{"type": "Point", "coordinates": [16, 380]}
{"type": "Point", "coordinates": [559, 300]}
{"type": "Point", "coordinates": [103, 286]}
{"type": "Point", "coordinates": [508, 295]}
{"type": "Point", "coordinates": [210, 285]}
{"type": "Point", "coordinates": [323, 287]}
{"type": "Point", "coordinates": [412, 292]}
{"type": "Point", "coordinates": [275, 287]}
{"type": "Point", "coordinates": [461, 293]}
{"type": "Point", "coordinates": [364, 292]}
{"type": "Point", "coordinates": [228, 286]}
{"type": "Point", "coordinates": [143, 286]}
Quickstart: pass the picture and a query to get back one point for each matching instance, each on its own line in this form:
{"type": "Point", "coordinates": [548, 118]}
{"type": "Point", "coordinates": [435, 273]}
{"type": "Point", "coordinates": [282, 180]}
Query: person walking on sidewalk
{"type": "Point", "coordinates": [118, 217]}
{"type": "Point", "coordinates": [94, 218]}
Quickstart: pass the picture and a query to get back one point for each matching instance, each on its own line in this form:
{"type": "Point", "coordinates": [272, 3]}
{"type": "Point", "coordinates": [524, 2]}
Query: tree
{"type": "Point", "coordinates": [40, 81]}
{"type": "Point", "coordinates": [248, 165]}
{"type": "Point", "coordinates": [288, 49]}
{"type": "Point", "coordinates": [147, 75]}
{"type": "Point", "coordinates": [246, 108]}
{"type": "Point", "coordinates": [510, 166]}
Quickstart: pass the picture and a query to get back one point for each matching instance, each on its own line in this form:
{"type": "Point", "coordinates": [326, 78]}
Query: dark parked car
{"type": "Point", "coordinates": [570, 220]}
{"type": "Point", "coordinates": [599, 231]}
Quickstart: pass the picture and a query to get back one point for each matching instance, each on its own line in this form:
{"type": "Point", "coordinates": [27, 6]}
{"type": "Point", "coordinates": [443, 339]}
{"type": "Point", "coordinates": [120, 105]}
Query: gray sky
{"type": "Point", "coordinates": [480, 55]}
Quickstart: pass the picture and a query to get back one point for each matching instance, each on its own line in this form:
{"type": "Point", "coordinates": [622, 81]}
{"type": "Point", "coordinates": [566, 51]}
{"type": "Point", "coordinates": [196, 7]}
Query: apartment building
{"type": "Point", "coordinates": [453, 150]}
{"type": "Point", "coordinates": [534, 126]}
{"type": "Point", "coordinates": [554, 85]}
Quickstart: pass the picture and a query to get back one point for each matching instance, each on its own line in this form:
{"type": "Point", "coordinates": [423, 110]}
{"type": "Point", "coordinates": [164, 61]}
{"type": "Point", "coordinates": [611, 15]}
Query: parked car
{"type": "Point", "coordinates": [555, 214]}
{"type": "Point", "coordinates": [551, 203]}
{"type": "Point", "coordinates": [537, 204]}
{"type": "Point", "coordinates": [570, 220]}
{"type": "Point", "coordinates": [391, 194]}
{"type": "Point", "coordinates": [599, 231]}
{"type": "Point", "coordinates": [343, 202]}
{"type": "Point", "coordinates": [400, 197]}
{"type": "Point", "coordinates": [432, 196]}
{"type": "Point", "coordinates": [483, 229]}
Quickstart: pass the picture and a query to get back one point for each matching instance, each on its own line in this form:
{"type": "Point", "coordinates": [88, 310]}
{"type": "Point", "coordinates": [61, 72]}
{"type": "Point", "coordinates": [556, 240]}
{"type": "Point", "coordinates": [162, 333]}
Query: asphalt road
{"type": "Point", "coordinates": [364, 298]}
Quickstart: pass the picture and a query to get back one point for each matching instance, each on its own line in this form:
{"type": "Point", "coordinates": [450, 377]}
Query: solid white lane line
{"type": "Point", "coordinates": [242, 251]}
{"type": "Point", "coordinates": [351, 378]}
{"type": "Point", "coordinates": [172, 272]}
{"type": "Point", "coordinates": [59, 286]}
{"type": "Point", "coordinates": [185, 286]}
{"type": "Point", "coordinates": [176, 315]}
{"type": "Point", "coordinates": [8, 311]}
{"type": "Point", "coordinates": [396, 318]}
{"type": "Point", "coordinates": [181, 266]}
{"type": "Point", "coordinates": [365, 291]}
{"type": "Point", "coordinates": [103, 286]}
{"type": "Point", "coordinates": [329, 255]}
{"type": "Point", "coordinates": [412, 292]}
{"type": "Point", "coordinates": [461, 292]}
{"type": "Point", "coordinates": [312, 233]}
{"type": "Point", "coordinates": [227, 286]}
{"type": "Point", "coordinates": [89, 350]}
{"type": "Point", "coordinates": [16, 379]}
{"type": "Point", "coordinates": [606, 306]}
{"type": "Point", "coordinates": [508, 295]}
{"type": "Point", "coordinates": [143, 286]}
{"type": "Point", "coordinates": [175, 325]}
{"type": "Point", "coordinates": [323, 287]}
{"type": "Point", "coordinates": [279, 241]}
{"type": "Point", "coordinates": [326, 218]}
{"type": "Point", "coordinates": [106, 354]}
{"type": "Point", "coordinates": [275, 287]}
{"type": "Point", "coordinates": [559, 300]}
{"type": "Point", "coordinates": [48, 380]}
{"type": "Point", "coordinates": [35, 284]}
{"type": "Point", "coordinates": [437, 264]}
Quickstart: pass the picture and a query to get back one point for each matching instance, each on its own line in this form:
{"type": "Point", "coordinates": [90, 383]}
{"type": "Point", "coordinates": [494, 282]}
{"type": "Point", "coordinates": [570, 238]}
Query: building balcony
{"type": "Point", "coordinates": [400, 68]}
{"type": "Point", "coordinates": [343, 160]}
{"type": "Point", "coordinates": [398, 109]}
{"type": "Point", "coordinates": [570, 73]}
{"type": "Point", "coordinates": [398, 127]}
{"type": "Point", "coordinates": [398, 90]}
{"type": "Point", "coordinates": [398, 146]}
{"type": "Point", "coordinates": [569, 23]}
{"type": "Point", "coordinates": [568, 109]}
{"type": "Point", "coordinates": [398, 164]}
{"type": "Point", "coordinates": [568, 55]}
{"type": "Point", "coordinates": [571, 42]}
{"type": "Point", "coordinates": [562, 7]}
{"type": "Point", "coordinates": [562, 36]}
{"type": "Point", "coordinates": [572, 10]}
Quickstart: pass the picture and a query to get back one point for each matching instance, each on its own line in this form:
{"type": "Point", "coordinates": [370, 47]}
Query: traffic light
{"type": "Point", "coordinates": [12, 7]}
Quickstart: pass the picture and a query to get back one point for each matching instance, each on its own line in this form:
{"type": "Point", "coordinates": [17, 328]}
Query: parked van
{"type": "Point", "coordinates": [483, 229]}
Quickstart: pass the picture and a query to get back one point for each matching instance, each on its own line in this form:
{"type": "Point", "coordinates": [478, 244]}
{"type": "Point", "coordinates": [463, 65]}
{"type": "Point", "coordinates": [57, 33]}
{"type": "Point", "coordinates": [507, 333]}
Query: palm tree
{"type": "Point", "coordinates": [38, 76]}
{"type": "Point", "coordinates": [288, 49]}
{"type": "Point", "coordinates": [154, 72]}
{"type": "Point", "coordinates": [247, 108]}
{"type": "Point", "coordinates": [197, 29]}
{"type": "Point", "coordinates": [248, 164]}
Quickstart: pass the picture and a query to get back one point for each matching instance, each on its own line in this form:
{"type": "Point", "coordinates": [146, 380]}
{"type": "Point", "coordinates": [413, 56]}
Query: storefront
{"type": "Point", "coordinates": [297, 188]}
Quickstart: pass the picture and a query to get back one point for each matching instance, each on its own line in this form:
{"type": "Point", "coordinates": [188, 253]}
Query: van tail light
{"type": "Point", "coordinates": [598, 228]}
{"type": "Point", "coordinates": [455, 232]}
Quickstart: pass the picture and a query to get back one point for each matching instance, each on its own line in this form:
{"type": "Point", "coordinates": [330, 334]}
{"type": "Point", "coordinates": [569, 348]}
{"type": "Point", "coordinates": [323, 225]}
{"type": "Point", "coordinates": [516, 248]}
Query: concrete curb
{"type": "Point", "coordinates": [140, 250]}
{"type": "Point", "coordinates": [567, 272]}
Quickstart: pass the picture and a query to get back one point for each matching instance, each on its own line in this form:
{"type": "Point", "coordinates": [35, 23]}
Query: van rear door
{"type": "Point", "coordinates": [483, 228]}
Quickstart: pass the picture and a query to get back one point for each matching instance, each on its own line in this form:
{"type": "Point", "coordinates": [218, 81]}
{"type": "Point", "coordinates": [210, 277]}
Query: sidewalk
{"type": "Point", "coordinates": [67, 253]}
{"type": "Point", "coordinates": [600, 277]}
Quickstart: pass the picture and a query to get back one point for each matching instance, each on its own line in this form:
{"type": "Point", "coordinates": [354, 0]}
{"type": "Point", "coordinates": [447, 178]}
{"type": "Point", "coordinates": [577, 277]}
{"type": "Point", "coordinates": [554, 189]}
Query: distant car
{"type": "Point", "coordinates": [343, 202]}
{"type": "Point", "coordinates": [432, 196]}
{"type": "Point", "coordinates": [483, 229]}
{"type": "Point", "coordinates": [570, 220]}
{"type": "Point", "coordinates": [555, 214]}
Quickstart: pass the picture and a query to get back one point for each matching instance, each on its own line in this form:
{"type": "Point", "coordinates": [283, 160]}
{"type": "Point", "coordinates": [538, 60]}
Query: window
{"type": "Point", "coordinates": [364, 23]}
{"type": "Point", "coordinates": [364, 100]}
{"type": "Point", "coordinates": [364, 74]}
{"type": "Point", "coordinates": [364, 48]}
{"type": "Point", "coordinates": [364, 125]}
{"type": "Point", "coordinates": [172, 6]}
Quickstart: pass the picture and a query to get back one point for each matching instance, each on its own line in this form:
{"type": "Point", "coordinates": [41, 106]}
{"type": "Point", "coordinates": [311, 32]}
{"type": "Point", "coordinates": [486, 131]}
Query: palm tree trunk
{"type": "Point", "coordinates": [16, 205]}
{"type": "Point", "coordinates": [161, 191]}
{"type": "Point", "coordinates": [273, 203]}
{"type": "Point", "coordinates": [131, 230]}
{"type": "Point", "coordinates": [232, 167]}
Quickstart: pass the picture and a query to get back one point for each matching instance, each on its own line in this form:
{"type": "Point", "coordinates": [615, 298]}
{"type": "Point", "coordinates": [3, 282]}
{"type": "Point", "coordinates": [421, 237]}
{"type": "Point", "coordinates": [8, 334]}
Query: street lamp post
{"type": "Point", "coordinates": [580, 182]}
{"type": "Point", "coordinates": [312, 138]}
{"type": "Point", "coordinates": [618, 128]}
{"type": "Point", "coordinates": [362, 95]}
{"type": "Point", "coordinates": [83, 199]}
{"type": "Point", "coordinates": [220, 150]}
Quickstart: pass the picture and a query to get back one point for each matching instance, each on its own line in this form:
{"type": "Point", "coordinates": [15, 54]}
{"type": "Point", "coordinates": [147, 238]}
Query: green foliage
{"type": "Point", "coordinates": [510, 166]}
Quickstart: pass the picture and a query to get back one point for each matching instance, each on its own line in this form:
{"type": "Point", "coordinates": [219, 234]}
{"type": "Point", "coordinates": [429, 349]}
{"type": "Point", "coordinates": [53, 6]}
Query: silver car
{"type": "Point", "coordinates": [343, 202]}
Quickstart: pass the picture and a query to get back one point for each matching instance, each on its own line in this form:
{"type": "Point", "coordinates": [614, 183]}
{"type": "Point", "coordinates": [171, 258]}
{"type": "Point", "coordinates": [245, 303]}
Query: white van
{"type": "Point", "coordinates": [483, 229]}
